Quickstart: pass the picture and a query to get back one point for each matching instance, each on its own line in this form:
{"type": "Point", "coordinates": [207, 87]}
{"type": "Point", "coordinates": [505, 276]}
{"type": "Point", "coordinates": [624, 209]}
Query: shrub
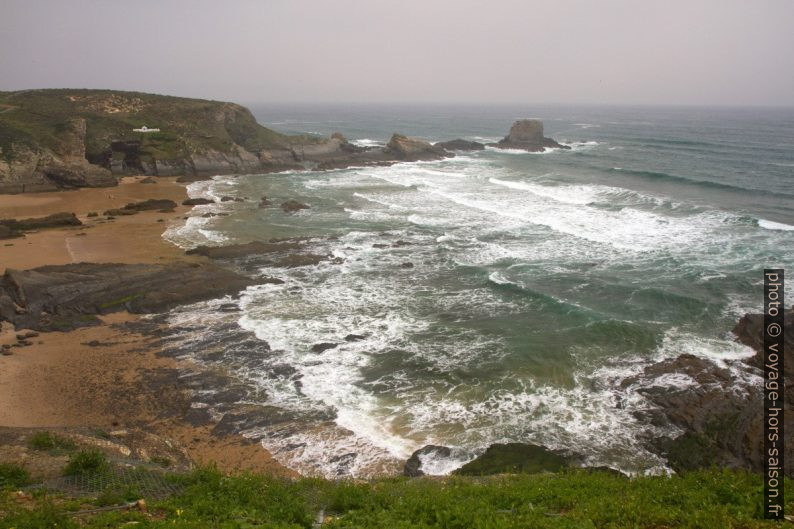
{"type": "Point", "coordinates": [13, 476]}
{"type": "Point", "coordinates": [50, 441]}
{"type": "Point", "coordinates": [86, 462]}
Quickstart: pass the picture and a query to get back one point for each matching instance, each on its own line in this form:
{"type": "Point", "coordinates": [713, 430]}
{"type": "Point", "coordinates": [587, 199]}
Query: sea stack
{"type": "Point", "coordinates": [527, 134]}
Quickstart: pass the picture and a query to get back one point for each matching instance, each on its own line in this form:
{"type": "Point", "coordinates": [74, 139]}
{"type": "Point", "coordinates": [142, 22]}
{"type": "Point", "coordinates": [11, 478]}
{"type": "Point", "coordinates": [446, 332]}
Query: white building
{"type": "Point", "coordinates": [145, 129]}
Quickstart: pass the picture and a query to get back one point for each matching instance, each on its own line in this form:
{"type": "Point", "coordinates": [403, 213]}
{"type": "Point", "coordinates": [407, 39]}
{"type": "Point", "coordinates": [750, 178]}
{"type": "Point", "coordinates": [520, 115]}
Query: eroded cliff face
{"type": "Point", "coordinates": [30, 169]}
{"type": "Point", "coordinates": [60, 139]}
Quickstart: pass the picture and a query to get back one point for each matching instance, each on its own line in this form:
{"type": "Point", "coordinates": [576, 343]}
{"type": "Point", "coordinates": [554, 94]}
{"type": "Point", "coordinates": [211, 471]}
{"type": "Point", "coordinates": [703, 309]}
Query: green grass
{"type": "Point", "coordinates": [86, 462]}
{"type": "Point", "coordinates": [13, 476]}
{"type": "Point", "coordinates": [571, 499]}
{"type": "Point", "coordinates": [50, 441]}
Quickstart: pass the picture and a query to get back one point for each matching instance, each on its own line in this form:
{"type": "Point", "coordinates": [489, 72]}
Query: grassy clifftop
{"type": "Point", "coordinates": [37, 119]}
{"type": "Point", "coordinates": [576, 499]}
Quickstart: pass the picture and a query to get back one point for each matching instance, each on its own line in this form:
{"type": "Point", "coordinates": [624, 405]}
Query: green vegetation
{"type": "Point", "coordinates": [50, 441]}
{"type": "Point", "coordinates": [162, 461]}
{"type": "Point", "coordinates": [39, 119]}
{"type": "Point", "coordinates": [86, 462]}
{"type": "Point", "coordinates": [13, 476]}
{"type": "Point", "coordinates": [569, 499]}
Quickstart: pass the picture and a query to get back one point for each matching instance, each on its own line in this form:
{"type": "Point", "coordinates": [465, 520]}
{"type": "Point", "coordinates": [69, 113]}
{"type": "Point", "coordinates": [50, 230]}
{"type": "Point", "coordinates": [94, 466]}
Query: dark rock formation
{"type": "Point", "coordinates": [291, 206]}
{"type": "Point", "coordinates": [197, 201]}
{"type": "Point", "coordinates": [235, 251]}
{"type": "Point", "coordinates": [721, 422]}
{"type": "Point", "coordinates": [412, 149]}
{"type": "Point", "coordinates": [14, 228]}
{"type": "Point", "coordinates": [64, 297]}
{"type": "Point", "coordinates": [413, 467]}
{"type": "Point", "coordinates": [152, 204]}
{"type": "Point", "coordinates": [355, 337]}
{"type": "Point", "coordinates": [720, 413]}
{"type": "Point", "coordinates": [323, 346]}
{"type": "Point", "coordinates": [460, 145]}
{"type": "Point", "coordinates": [527, 134]}
{"type": "Point", "coordinates": [749, 331]}
{"type": "Point", "coordinates": [148, 180]}
{"type": "Point", "coordinates": [515, 458]}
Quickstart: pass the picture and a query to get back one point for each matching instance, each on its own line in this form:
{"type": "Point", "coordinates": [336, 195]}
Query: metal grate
{"type": "Point", "coordinates": [142, 482]}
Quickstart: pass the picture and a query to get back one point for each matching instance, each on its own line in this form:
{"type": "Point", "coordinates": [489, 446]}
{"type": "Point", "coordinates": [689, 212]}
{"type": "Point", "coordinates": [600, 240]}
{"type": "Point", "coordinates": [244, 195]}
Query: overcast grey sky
{"type": "Point", "coordinates": [553, 51]}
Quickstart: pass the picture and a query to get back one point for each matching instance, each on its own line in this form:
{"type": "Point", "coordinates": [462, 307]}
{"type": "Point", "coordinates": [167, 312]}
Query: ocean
{"type": "Point", "coordinates": [498, 295]}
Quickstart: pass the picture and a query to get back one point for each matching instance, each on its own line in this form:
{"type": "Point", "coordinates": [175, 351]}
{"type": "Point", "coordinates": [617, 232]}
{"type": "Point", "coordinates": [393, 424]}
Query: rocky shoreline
{"type": "Point", "coordinates": [90, 141]}
{"type": "Point", "coordinates": [717, 415]}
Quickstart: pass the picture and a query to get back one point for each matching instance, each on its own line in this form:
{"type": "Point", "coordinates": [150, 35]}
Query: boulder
{"type": "Point", "coordinates": [323, 346]}
{"type": "Point", "coordinates": [515, 458]}
{"type": "Point", "coordinates": [291, 206]}
{"type": "Point", "coordinates": [527, 134]}
{"type": "Point", "coordinates": [460, 145]}
{"type": "Point", "coordinates": [413, 467]}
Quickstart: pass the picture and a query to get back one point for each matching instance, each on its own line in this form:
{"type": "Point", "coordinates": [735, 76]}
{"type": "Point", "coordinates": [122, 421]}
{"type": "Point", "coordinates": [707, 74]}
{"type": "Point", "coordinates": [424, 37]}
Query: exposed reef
{"type": "Point", "coordinates": [60, 298]}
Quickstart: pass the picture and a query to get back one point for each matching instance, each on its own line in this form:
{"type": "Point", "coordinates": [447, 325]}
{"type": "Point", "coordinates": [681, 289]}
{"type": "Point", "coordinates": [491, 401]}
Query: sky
{"type": "Point", "coordinates": [670, 52]}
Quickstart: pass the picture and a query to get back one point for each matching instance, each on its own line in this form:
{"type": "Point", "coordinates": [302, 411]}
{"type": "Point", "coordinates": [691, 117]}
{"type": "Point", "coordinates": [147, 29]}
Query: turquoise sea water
{"type": "Point", "coordinates": [539, 281]}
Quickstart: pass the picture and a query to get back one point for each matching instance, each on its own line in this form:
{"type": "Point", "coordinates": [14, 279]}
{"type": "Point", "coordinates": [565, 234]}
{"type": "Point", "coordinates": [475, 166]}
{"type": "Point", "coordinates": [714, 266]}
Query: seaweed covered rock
{"type": "Point", "coordinates": [515, 458]}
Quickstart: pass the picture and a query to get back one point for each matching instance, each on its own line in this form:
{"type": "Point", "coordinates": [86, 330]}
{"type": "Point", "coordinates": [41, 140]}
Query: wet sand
{"type": "Point", "coordinates": [105, 376]}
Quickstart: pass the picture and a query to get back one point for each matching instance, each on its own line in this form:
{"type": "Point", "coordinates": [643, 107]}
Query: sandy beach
{"type": "Point", "coordinates": [105, 376]}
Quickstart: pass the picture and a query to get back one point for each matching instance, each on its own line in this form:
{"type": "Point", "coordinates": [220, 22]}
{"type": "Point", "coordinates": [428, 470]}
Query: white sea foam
{"type": "Point", "coordinates": [769, 225]}
{"type": "Point", "coordinates": [367, 142]}
{"type": "Point", "coordinates": [501, 222]}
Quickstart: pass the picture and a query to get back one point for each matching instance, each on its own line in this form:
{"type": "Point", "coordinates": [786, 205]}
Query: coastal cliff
{"type": "Point", "coordinates": [56, 139]}
{"type": "Point", "coordinates": [63, 139]}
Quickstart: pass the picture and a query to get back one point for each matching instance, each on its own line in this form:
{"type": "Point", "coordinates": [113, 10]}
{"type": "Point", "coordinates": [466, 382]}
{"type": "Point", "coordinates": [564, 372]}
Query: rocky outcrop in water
{"type": "Point", "coordinates": [718, 410]}
{"type": "Point", "coordinates": [460, 145]}
{"type": "Point", "coordinates": [527, 135]}
{"type": "Point", "coordinates": [236, 251]}
{"type": "Point", "coordinates": [516, 458]}
{"type": "Point", "coordinates": [413, 467]}
{"type": "Point", "coordinates": [413, 149]}
{"type": "Point", "coordinates": [65, 297]}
